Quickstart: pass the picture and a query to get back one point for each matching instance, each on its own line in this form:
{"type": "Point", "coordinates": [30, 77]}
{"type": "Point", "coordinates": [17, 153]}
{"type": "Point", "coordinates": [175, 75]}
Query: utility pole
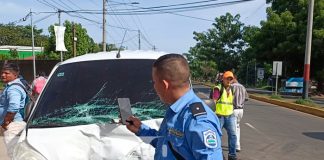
{"type": "Point", "coordinates": [139, 40]}
{"type": "Point", "coordinates": [154, 48]}
{"type": "Point", "coordinates": [33, 43]}
{"type": "Point", "coordinates": [74, 39]}
{"type": "Point", "coordinates": [255, 74]}
{"type": "Point", "coordinates": [276, 78]}
{"type": "Point", "coordinates": [247, 73]}
{"type": "Point", "coordinates": [308, 48]}
{"type": "Point", "coordinates": [59, 17]}
{"type": "Point", "coordinates": [104, 25]}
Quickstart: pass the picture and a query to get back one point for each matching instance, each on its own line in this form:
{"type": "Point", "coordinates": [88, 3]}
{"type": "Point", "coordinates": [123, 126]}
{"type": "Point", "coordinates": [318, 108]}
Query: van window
{"type": "Point", "coordinates": [87, 92]}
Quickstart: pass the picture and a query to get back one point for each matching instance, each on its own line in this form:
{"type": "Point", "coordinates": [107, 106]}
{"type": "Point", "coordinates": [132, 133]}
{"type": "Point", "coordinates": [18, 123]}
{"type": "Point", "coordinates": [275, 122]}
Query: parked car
{"type": "Point", "coordinates": [77, 116]}
{"type": "Point", "coordinates": [294, 85]}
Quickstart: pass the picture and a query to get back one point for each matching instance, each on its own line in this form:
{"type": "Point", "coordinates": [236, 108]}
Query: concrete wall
{"type": "Point", "coordinates": [26, 67]}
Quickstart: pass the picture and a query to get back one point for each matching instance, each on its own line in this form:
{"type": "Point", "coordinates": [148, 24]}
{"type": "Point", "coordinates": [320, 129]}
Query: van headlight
{"type": "Point", "coordinates": [23, 151]}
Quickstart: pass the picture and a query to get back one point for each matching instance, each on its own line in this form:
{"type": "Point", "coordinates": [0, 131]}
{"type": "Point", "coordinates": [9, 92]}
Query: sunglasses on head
{"type": "Point", "coordinates": [229, 78]}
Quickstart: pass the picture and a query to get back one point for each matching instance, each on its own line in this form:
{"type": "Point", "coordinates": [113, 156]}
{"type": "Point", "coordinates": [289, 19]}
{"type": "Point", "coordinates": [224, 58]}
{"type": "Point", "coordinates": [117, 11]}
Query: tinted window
{"type": "Point", "coordinates": [87, 92]}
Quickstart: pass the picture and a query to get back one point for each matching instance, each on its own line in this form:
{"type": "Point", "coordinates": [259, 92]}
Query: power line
{"type": "Point", "coordinates": [150, 11]}
{"type": "Point", "coordinates": [120, 20]}
{"type": "Point", "coordinates": [47, 4]}
{"type": "Point", "coordinates": [20, 20]}
{"type": "Point", "coordinates": [156, 10]}
{"type": "Point", "coordinates": [147, 41]}
{"type": "Point", "coordinates": [41, 19]}
{"type": "Point", "coordinates": [178, 9]}
{"type": "Point", "coordinates": [140, 26]}
{"type": "Point", "coordinates": [256, 10]}
{"type": "Point", "coordinates": [182, 4]}
{"type": "Point", "coordinates": [81, 8]}
{"type": "Point", "coordinates": [168, 7]}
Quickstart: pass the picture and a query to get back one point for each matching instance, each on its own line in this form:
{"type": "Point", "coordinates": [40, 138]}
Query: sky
{"type": "Point", "coordinates": [166, 31]}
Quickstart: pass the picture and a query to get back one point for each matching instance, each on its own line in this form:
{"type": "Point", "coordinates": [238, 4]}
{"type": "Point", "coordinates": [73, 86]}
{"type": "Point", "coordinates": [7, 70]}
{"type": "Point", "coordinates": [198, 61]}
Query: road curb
{"type": "Point", "coordinates": [298, 107]}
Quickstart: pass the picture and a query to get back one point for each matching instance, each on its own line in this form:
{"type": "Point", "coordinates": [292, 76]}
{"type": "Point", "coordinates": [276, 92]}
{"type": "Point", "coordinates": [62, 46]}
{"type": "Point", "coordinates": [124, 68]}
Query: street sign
{"type": "Point", "coordinates": [277, 68]}
{"type": "Point", "coordinates": [260, 73]}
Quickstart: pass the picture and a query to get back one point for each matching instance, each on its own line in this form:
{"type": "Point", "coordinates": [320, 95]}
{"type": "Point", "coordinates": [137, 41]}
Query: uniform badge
{"type": "Point", "coordinates": [210, 139]}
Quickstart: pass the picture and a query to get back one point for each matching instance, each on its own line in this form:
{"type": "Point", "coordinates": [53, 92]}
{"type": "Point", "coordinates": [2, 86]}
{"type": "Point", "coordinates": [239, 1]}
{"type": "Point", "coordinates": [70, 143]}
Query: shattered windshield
{"type": "Point", "coordinates": [87, 92]}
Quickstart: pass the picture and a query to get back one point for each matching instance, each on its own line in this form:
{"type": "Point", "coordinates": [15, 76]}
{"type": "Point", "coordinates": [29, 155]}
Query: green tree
{"type": "Point", "coordinates": [222, 45]}
{"type": "Point", "coordinates": [14, 54]}
{"type": "Point", "coordinates": [85, 43]}
{"type": "Point", "coordinates": [282, 37]}
{"type": "Point", "coordinates": [18, 35]}
{"type": "Point", "coordinates": [109, 47]}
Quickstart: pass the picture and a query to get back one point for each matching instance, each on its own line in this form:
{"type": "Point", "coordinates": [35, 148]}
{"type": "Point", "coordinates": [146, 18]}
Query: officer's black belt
{"type": "Point", "coordinates": [175, 153]}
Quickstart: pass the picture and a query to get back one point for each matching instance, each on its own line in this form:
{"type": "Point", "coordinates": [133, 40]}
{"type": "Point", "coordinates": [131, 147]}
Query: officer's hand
{"type": "Point", "coordinates": [133, 124]}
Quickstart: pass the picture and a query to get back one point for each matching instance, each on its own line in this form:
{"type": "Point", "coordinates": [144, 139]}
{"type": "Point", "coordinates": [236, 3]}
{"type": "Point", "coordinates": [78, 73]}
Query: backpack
{"type": "Point", "coordinates": [220, 92]}
{"type": "Point", "coordinates": [29, 101]}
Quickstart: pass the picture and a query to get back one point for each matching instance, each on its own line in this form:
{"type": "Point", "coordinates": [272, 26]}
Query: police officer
{"type": "Point", "coordinates": [190, 129]}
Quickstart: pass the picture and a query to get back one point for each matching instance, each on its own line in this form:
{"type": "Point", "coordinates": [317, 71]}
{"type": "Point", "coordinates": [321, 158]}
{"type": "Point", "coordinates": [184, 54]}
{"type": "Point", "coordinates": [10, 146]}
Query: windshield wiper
{"type": "Point", "coordinates": [48, 125]}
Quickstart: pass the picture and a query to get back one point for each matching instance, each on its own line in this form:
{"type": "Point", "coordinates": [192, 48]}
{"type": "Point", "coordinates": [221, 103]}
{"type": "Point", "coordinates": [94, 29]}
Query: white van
{"type": "Point", "coordinates": [76, 115]}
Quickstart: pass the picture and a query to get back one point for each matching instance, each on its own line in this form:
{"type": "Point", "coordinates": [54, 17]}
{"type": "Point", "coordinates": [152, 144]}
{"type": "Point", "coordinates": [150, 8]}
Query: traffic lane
{"type": "Point", "coordinates": [271, 132]}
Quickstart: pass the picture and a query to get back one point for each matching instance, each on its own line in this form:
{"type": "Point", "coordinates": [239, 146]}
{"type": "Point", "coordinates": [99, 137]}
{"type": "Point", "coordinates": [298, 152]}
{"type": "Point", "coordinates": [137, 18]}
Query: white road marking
{"type": "Point", "coordinates": [250, 125]}
{"type": "Point", "coordinates": [258, 131]}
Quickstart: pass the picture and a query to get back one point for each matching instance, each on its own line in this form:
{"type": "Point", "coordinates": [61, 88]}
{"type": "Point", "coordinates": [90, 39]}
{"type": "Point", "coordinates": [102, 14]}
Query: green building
{"type": "Point", "coordinates": [24, 52]}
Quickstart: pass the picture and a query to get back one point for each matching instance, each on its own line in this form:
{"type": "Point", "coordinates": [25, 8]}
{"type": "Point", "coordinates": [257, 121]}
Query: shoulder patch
{"type": "Point", "coordinates": [197, 109]}
{"type": "Point", "coordinates": [210, 139]}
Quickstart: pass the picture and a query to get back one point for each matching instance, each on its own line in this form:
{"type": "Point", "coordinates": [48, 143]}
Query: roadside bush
{"type": "Point", "coordinates": [307, 102]}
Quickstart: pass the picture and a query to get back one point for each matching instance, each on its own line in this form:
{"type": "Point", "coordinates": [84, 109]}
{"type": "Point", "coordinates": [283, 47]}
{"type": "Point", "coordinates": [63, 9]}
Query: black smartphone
{"type": "Point", "coordinates": [124, 109]}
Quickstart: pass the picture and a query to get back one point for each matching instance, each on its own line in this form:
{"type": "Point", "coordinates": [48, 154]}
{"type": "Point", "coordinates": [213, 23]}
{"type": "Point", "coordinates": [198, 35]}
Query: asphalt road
{"type": "Point", "coordinates": [270, 132]}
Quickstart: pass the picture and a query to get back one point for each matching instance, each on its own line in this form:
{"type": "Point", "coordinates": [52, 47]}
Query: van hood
{"type": "Point", "coordinates": [94, 141]}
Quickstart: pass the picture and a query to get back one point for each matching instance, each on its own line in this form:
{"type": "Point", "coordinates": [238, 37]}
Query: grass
{"type": "Point", "coordinates": [269, 88]}
{"type": "Point", "coordinates": [307, 102]}
{"type": "Point", "coordinates": [273, 96]}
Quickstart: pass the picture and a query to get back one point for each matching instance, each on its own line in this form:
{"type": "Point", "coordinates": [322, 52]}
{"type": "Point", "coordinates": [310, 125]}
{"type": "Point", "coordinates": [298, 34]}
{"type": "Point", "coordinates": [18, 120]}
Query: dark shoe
{"type": "Point", "coordinates": [238, 150]}
{"type": "Point", "coordinates": [232, 158]}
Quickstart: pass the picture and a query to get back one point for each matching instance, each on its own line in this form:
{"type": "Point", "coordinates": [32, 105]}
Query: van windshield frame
{"type": "Point", "coordinates": [86, 92]}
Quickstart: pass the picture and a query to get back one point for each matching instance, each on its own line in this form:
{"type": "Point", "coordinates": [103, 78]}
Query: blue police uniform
{"type": "Point", "coordinates": [189, 130]}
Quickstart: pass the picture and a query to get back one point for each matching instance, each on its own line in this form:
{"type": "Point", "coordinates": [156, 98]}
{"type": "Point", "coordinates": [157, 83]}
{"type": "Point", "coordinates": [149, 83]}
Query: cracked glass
{"type": "Point", "coordinates": [87, 92]}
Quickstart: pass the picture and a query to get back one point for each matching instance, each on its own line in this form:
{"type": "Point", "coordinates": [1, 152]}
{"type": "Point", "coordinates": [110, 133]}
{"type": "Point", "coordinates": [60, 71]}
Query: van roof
{"type": "Point", "coordinates": [125, 54]}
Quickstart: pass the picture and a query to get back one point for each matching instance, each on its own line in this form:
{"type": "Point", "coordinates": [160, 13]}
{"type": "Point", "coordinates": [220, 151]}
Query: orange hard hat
{"type": "Point", "coordinates": [228, 74]}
